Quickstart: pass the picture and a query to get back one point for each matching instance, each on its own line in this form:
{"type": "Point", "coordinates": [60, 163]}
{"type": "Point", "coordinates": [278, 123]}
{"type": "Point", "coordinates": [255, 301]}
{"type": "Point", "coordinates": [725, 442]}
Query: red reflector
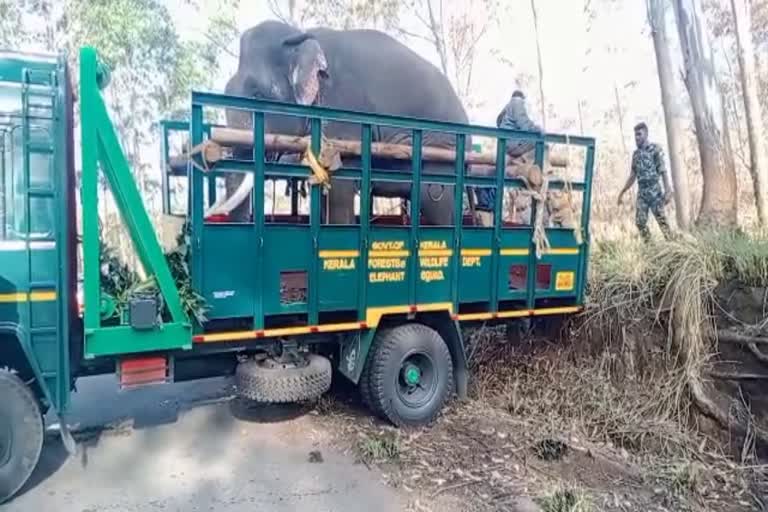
{"type": "Point", "coordinates": [413, 309]}
{"type": "Point", "coordinates": [144, 370]}
{"type": "Point", "coordinates": [454, 317]}
{"type": "Point", "coordinates": [198, 339]}
{"type": "Point", "coordinates": [314, 328]}
{"type": "Point", "coordinates": [219, 217]}
{"type": "Point", "coordinates": [259, 334]}
{"type": "Point", "coordinates": [363, 325]}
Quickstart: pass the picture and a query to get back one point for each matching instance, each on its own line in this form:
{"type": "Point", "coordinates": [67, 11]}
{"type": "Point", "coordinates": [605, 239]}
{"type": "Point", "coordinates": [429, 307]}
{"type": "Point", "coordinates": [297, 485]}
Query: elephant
{"type": "Point", "coordinates": [359, 70]}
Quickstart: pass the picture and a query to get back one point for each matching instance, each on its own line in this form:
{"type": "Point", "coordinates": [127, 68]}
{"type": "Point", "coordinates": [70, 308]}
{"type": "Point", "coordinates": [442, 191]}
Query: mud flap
{"type": "Point", "coordinates": [354, 351]}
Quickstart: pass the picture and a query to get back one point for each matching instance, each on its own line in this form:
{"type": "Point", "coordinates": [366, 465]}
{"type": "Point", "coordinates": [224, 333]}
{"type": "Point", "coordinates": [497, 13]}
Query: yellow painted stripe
{"type": "Point", "coordinates": [437, 306]}
{"type": "Point", "coordinates": [435, 252]}
{"type": "Point", "coordinates": [39, 296]}
{"type": "Point", "coordinates": [338, 327]}
{"type": "Point", "coordinates": [514, 252]}
{"type": "Point", "coordinates": [339, 254]}
{"type": "Point", "coordinates": [513, 314]}
{"type": "Point", "coordinates": [556, 311]}
{"type": "Point", "coordinates": [228, 336]}
{"type": "Point", "coordinates": [42, 296]}
{"type": "Point", "coordinates": [373, 316]}
{"type": "Point", "coordinates": [476, 316]}
{"type": "Point", "coordinates": [475, 252]}
{"type": "Point", "coordinates": [13, 297]}
{"type": "Point", "coordinates": [388, 254]}
{"type": "Point", "coordinates": [564, 251]}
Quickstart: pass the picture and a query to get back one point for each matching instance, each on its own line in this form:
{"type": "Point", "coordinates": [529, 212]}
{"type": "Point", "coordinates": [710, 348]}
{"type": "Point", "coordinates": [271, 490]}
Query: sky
{"type": "Point", "coordinates": [579, 65]}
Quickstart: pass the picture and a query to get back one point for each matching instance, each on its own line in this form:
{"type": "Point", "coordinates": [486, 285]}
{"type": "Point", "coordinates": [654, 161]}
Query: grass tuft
{"type": "Point", "coordinates": [381, 448]}
{"type": "Point", "coordinates": [565, 499]}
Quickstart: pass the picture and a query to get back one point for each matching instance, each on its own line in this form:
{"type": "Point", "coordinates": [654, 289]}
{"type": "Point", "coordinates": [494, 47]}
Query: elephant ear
{"type": "Point", "coordinates": [308, 66]}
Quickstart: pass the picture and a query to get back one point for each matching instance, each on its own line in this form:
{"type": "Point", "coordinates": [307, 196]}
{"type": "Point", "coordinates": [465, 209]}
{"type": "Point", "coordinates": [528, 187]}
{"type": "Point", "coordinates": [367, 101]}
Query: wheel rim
{"type": "Point", "coordinates": [416, 380]}
{"type": "Point", "coordinates": [6, 442]}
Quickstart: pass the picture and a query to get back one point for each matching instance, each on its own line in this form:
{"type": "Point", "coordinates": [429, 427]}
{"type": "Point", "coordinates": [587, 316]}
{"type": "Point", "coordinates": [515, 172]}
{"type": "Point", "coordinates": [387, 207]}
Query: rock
{"type": "Point", "coordinates": [525, 504]}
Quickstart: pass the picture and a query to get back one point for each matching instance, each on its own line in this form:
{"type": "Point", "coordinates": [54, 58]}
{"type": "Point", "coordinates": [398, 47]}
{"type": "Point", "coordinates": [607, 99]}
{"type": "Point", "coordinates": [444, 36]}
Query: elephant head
{"type": "Point", "coordinates": [278, 62]}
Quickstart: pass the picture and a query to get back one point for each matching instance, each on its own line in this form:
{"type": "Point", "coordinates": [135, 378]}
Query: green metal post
{"type": "Point", "coordinates": [212, 177]}
{"type": "Point", "coordinates": [166, 169]}
{"type": "Point", "coordinates": [586, 203]}
{"type": "Point", "coordinates": [413, 261]}
{"type": "Point", "coordinates": [533, 262]}
{"type": "Point", "coordinates": [315, 219]}
{"type": "Point", "coordinates": [501, 158]}
{"type": "Point", "coordinates": [89, 193]}
{"type": "Point", "coordinates": [195, 204]}
{"type": "Point", "coordinates": [458, 218]}
{"type": "Point", "coordinates": [258, 217]}
{"type": "Point", "coordinates": [365, 218]}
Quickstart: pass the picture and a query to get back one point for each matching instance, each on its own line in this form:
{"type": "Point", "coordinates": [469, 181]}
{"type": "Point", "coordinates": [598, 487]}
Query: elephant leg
{"type": "Point", "coordinates": [437, 204]}
{"type": "Point", "coordinates": [341, 199]}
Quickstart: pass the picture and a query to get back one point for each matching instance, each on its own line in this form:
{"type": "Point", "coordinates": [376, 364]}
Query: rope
{"type": "Point", "coordinates": [320, 174]}
{"type": "Point", "coordinates": [569, 195]}
{"type": "Point", "coordinates": [539, 229]}
{"type": "Point", "coordinates": [209, 150]}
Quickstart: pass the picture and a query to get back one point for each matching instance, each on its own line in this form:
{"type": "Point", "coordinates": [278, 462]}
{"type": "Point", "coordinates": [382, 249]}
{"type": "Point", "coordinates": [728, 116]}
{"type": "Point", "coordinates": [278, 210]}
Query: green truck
{"type": "Point", "coordinates": [291, 300]}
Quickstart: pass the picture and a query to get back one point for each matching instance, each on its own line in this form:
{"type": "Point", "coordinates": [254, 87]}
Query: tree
{"type": "Point", "coordinates": [542, 98]}
{"type": "Point", "coordinates": [454, 31]}
{"type": "Point", "coordinates": [758, 166]}
{"type": "Point", "coordinates": [658, 21]}
{"type": "Point", "coordinates": [719, 205]}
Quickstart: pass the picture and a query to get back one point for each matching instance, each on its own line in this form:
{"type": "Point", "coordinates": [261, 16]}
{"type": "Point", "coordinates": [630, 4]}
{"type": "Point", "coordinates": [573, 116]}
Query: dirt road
{"type": "Point", "coordinates": [186, 448]}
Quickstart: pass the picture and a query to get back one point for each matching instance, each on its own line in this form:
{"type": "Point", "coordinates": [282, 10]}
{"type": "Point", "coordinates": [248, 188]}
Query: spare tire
{"type": "Point", "coordinates": [21, 434]}
{"type": "Point", "coordinates": [269, 381]}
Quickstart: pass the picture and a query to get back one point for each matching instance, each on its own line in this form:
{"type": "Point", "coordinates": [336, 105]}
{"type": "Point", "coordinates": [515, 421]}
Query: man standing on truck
{"type": "Point", "coordinates": [647, 167]}
{"type": "Point", "coordinates": [513, 116]}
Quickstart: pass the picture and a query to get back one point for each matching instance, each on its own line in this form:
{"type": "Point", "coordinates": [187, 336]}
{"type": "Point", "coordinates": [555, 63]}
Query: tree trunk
{"type": "Point", "coordinates": [658, 21]}
{"type": "Point", "coordinates": [620, 114]}
{"type": "Point", "coordinates": [541, 66]}
{"type": "Point", "coordinates": [755, 130]}
{"type": "Point", "coordinates": [719, 205]}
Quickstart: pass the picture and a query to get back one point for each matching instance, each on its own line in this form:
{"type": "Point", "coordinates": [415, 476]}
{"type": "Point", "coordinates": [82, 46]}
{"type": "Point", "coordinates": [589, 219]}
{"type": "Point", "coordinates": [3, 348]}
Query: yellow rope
{"type": "Point", "coordinates": [320, 175]}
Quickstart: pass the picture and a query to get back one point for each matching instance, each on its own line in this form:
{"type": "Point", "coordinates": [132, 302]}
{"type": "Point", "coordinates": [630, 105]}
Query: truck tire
{"type": "Point", "coordinates": [411, 375]}
{"type": "Point", "coordinates": [271, 382]}
{"type": "Point", "coordinates": [21, 434]}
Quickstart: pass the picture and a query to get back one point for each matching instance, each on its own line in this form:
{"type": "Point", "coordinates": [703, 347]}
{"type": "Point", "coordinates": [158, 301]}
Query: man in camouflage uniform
{"type": "Point", "coordinates": [647, 167]}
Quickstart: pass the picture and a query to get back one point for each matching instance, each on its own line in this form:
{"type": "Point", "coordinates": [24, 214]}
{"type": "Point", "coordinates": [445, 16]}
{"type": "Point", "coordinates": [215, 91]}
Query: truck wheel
{"type": "Point", "coordinates": [271, 381]}
{"type": "Point", "coordinates": [411, 375]}
{"type": "Point", "coordinates": [21, 434]}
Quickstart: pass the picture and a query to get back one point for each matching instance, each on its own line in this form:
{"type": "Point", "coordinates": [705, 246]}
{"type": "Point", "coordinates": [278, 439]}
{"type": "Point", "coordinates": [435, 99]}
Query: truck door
{"type": "Point", "coordinates": [31, 215]}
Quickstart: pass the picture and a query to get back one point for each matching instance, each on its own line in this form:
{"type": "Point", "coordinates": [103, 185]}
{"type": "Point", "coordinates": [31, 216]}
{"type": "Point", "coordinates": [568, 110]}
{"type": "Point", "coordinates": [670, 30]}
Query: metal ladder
{"type": "Point", "coordinates": [39, 102]}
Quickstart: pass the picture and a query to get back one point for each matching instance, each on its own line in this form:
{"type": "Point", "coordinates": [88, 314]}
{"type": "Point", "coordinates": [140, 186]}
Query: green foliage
{"type": "Point", "coordinates": [384, 447]}
{"type": "Point", "coordinates": [565, 499]}
{"type": "Point", "coordinates": [121, 282]}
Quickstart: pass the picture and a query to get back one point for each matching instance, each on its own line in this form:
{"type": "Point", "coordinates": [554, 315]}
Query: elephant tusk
{"type": "Point", "coordinates": [226, 205]}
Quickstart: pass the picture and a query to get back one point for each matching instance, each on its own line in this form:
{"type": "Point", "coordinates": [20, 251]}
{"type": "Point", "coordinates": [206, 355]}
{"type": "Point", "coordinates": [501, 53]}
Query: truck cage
{"type": "Point", "coordinates": [467, 271]}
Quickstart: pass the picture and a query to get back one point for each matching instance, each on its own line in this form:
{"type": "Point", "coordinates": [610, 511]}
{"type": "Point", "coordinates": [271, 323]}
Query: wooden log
{"type": "Point", "coordinates": [298, 144]}
{"type": "Point", "coordinates": [212, 152]}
